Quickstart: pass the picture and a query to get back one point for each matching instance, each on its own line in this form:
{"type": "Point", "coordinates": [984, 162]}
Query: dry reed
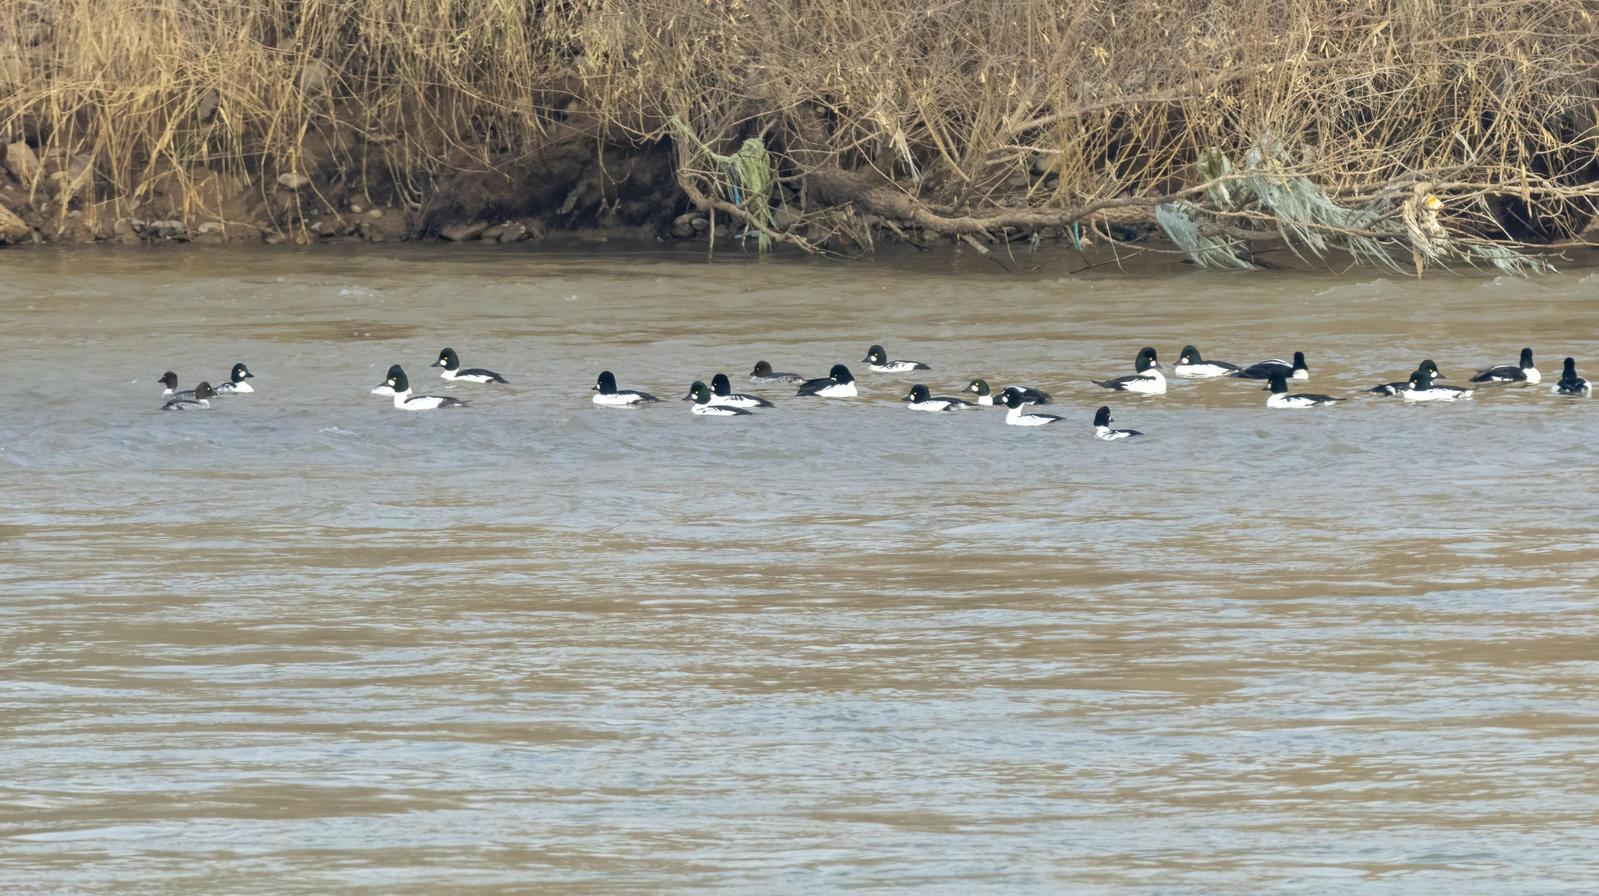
{"type": "Point", "coordinates": [976, 120]}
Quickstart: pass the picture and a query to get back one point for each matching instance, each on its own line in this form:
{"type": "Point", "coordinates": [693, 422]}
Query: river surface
{"type": "Point", "coordinates": [307, 643]}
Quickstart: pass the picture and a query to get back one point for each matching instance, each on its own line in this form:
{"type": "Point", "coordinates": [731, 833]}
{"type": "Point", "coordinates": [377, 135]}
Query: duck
{"type": "Point", "coordinates": [1421, 388]}
{"type": "Point", "coordinates": [704, 406]}
{"type": "Point", "coordinates": [1102, 430]}
{"type": "Point", "coordinates": [170, 381]}
{"type": "Point", "coordinates": [608, 395]}
{"type": "Point", "coordinates": [197, 401]}
{"type": "Point", "coordinates": [236, 384]}
{"type": "Point", "coordinates": [764, 375]}
{"type": "Point", "coordinates": [405, 401]}
{"type": "Point", "coordinates": [1147, 381]}
{"type": "Point", "coordinates": [1193, 367]}
{"type": "Point", "coordinates": [1280, 398]}
{"type": "Point", "coordinates": [1015, 417]}
{"type": "Point", "coordinates": [1570, 383]}
{"type": "Point", "coordinates": [877, 361]}
{"type": "Point", "coordinates": [451, 362]}
{"type": "Point", "coordinates": [1264, 369]}
{"type": "Point", "coordinates": [922, 400]}
{"type": "Point", "coordinates": [839, 383]}
{"type": "Point", "coordinates": [1521, 372]}
{"type": "Point", "coordinates": [1388, 390]}
{"type": "Point", "coordinates": [722, 393]}
{"type": "Point", "coordinates": [985, 398]}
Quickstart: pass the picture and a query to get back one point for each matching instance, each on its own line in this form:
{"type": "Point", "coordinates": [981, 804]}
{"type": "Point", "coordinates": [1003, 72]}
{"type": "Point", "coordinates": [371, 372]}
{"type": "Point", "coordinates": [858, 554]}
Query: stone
{"type": "Point", "coordinates": [492, 234]}
{"type": "Point", "coordinates": [21, 161]}
{"type": "Point", "coordinates": [12, 228]}
{"type": "Point", "coordinates": [293, 180]}
{"type": "Point", "coordinates": [210, 227]}
{"type": "Point", "coordinates": [460, 233]}
{"type": "Point", "coordinates": [168, 230]}
{"type": "Point", "coordinates": [375, 214]}
{"type": "Point", "coordinates": [355, 208]}
{"type": "Point", "coordinates": [682, 230]}
{"type": "Point", "coordinates": [124, 231]}
{"type": "Point", "coordinates": [515, 233]}
{"type": "Point", "coordinates": [700, 224]}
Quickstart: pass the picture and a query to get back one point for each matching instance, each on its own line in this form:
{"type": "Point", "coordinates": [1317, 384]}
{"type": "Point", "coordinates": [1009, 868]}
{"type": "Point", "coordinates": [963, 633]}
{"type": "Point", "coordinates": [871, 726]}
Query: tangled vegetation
{"type": "Point", "coordinates": [1413, 132]}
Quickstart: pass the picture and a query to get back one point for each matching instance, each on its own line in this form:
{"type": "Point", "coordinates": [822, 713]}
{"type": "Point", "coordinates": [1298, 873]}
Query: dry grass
{"type": "Point", "coordinates": [955, 117]}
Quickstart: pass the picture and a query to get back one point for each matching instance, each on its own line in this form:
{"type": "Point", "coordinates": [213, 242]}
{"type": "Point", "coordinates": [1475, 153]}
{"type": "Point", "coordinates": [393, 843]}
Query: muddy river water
{"type": "Point", "coordinates": [307, 643]}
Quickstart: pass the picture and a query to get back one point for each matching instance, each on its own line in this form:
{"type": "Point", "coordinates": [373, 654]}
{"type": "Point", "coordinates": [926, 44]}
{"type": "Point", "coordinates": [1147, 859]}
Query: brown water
{"type": "Point", "coordinates": [307, 643]}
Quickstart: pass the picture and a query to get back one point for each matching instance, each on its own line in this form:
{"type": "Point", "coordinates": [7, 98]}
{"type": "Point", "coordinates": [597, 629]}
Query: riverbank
{"type": "Point", "coordinates": [1405, 135]}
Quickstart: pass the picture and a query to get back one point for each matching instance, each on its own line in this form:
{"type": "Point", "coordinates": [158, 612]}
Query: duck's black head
{"type": "Point", "coordinates": [169, 379]}
{"type": "Point", "coordinates": [241, 373]}
{"type": "Point", "coordinates": [1102, 416]}
{"type": "Point", "coordinates": [875, 355]}
{"type": "Point", "coordinates": [918, 393]}
{"type": "Point", "coordinates": [720, 384]}
{"type": "Point", "coordinates": [1526, 358]}
{"type": "Point", "coordinates": [1190, 355]}
{"type": "Point", "coordinates": [397, 379]}
{"type": "Point", "coordinates": [1569, 372]}
{"type": "Point", "coordinates": [1012, 398]}
{"type": "Point", "coordinates": [1279, 383]}
{"type": "Point", "coordinates": [1299, 362]}
{"type": "Point", "coordinates": [841, 374]}
{"type": "Point", "coordinates": [762, 368]}
{"type": "Point", "coordinates": [1421, 379]}
{"type": "Point", "coordinates": [1431, 367]}
{"type": "Point", "coordinates": [978, 386]}
{"type": "Point", "coordinates": [606, 384]}
{"type": "Point", "coordinates": [1145, 360]}
{"type": "Point", "coordinates": [699, 393]}
{"type": "Point", "coordinates": [448, 360]}
{"type": "Point", "coordinates": [204, 390]}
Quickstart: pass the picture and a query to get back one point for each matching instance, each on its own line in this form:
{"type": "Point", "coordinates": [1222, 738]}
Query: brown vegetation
{"type": "Point", "coordinates": [916, 118]}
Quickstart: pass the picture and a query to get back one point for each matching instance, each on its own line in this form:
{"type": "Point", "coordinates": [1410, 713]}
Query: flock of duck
{"type": "Point", "coordinates": [719, 400]}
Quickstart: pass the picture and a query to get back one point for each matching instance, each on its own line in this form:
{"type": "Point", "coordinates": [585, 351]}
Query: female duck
{"type": "Point", "coordinates": [195, 402]}
{"type": "Point", "coordinates": [1148, 380]}
{"type": "Point", "coordinates": [170, 381]}
{"type": "Point", "coordinates": [764, 375]}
